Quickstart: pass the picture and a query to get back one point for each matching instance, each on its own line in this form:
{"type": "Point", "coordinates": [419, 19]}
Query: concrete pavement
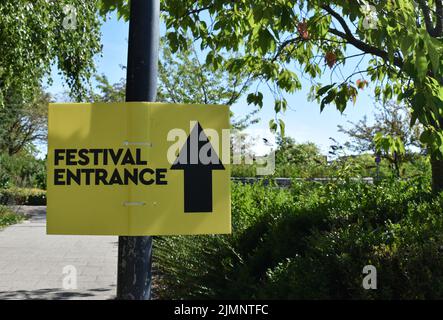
{"type": "Point", "coordinates": [34, 265]}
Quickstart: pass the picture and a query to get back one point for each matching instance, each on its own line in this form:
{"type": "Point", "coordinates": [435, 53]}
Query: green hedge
{"type": "Point", "coordinates": [22, 170]}
{"type": "Point", "coordinates": [312, 242]}
{"type": "Point", "coordinates": [8, 217]}
{"type": "Point", "coordinates": [23, 196]}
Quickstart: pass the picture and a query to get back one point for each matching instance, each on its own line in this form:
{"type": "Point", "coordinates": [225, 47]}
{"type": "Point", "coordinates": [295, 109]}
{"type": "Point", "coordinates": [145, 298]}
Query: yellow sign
{"type": "Point", "coordinates": [138, 169]}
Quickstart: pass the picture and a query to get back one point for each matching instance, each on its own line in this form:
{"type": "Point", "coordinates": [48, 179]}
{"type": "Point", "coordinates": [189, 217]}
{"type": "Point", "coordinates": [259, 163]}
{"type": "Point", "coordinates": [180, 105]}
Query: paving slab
{"type": "Point", "coordinates": [34, 265]}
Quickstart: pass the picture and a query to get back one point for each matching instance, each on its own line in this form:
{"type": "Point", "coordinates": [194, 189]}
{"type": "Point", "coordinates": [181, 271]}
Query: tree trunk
{"type": "Point", "coordinates": [437, 174]}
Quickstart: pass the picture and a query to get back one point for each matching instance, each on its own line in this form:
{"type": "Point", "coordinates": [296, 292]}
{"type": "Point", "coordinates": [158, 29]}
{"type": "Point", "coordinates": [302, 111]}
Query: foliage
{"type": "Point", "coordinates": [401, 39]}
{"type": "Point", "coordinates": [23, 123]}
{"type": "Point", "coordinates": [22, 170]}
{"type": "Point", "coordinates": [23, 196]}
{"type": "Point", "coordinates": [8, 217]}
{"type": "Point", "coordinates": [312, 242]}
{"type": "Point", "coordinates": [183, 78]}
{"type": "Point", "coordinates": [121, 6]}
{"type": "Point", "coordinates": [390, 119]}
{"type": "Point", "coordinates": [390, 135]}
{"type": "Point", "coordinates": [305, 161]}
{"type": "Point", "coordinates": [243, 170]}
{"type": "Point", "coordinates": [303, 156]}
{"type": "Point", "coordinates": [33, 38]}
{"type": "Point", "coordinates": [391, 146]}
{"type": "Point", "coordinates": [417, 165]}
{"type": "Point", "coordinates": [292, 160]}
{"type": "Point", "coordinates": [108, 92]}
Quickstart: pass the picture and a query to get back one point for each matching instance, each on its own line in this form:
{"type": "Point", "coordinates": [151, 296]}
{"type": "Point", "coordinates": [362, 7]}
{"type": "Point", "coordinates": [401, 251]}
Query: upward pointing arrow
{"type": "Point", "coordinates": [197, 175]}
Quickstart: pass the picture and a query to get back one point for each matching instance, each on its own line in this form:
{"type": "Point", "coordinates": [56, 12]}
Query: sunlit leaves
{"type": "Point", "coordinates": [389, 144]}
{"type": "Point", "coordinates": [321, 91]}
{"type": "Point", "coordinates": [339, 95]}
{"type": "Point", "coordinates": [121, 6]}
{"type": "Point", "coordinates": [421, 64]}
{"type": "Point", "coordinates": [265, 41]}
{"type": "Point", "coordinates": [273, 39]}
{"type": "Point", "coordinates": [33, 38]}
{"type": "Point", "coordinates": [255, 98]}
{"type": "Point", "coordinates": [288, 81]}
{"type": "Point", "coordinates": [434, 139]}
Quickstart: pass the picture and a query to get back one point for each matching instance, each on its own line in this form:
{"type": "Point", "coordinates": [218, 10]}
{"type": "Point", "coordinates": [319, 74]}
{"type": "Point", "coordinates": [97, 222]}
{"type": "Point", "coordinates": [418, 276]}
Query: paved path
{"type": "Point", "coordinates": [32, 263]}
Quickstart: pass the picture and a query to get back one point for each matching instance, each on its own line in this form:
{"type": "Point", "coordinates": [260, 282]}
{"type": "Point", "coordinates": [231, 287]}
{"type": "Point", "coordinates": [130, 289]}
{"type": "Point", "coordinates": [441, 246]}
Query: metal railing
{"type": "Point", "coordinates": [287, 182]}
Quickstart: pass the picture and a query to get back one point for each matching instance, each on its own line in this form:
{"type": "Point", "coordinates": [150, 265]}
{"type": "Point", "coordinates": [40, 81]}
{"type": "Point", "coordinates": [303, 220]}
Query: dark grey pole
{"type": "Point", "coordinates": [135, 253]}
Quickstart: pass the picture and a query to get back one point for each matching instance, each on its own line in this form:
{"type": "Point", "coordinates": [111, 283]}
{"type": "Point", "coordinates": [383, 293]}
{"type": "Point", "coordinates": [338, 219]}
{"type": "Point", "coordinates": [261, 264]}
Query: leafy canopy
{"type": "Point", "coordinates": [23, 124]}
{"type": "Point", "coordinates": [33, 37]}
{"type": "Point", "coordinates": [390, 134]}
{"type": "Point", "coordinates": [280, 37]}
{"type": "Point", "coordinates": [279, 41]}
{"type": "Point", "coordinates": [183, 78]}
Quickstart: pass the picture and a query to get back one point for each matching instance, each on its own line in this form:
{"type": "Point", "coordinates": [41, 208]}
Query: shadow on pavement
{"type": "Point", "coordinates": [54, 294]}
{"type": "Point", "coordinates": [32, 213]}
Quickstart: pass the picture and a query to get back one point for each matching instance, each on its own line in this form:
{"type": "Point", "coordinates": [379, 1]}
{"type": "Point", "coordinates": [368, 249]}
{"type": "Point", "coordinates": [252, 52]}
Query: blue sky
{"type": "Point", "coordinates": [303, 119]}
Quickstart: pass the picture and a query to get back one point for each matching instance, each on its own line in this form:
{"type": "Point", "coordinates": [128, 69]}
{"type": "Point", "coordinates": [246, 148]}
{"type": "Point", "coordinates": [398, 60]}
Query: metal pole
{"type": "Point", "coordinates": [135, 253]}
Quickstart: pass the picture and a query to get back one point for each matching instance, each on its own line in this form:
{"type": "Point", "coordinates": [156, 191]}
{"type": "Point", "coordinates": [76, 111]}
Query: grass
{"type": "Point", "coordinates": [8, 217]}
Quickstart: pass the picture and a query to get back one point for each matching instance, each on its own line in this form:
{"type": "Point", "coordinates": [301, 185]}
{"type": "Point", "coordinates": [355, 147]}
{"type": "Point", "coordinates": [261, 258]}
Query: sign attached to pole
{"type": "Point", "coordinates": [138, 168]}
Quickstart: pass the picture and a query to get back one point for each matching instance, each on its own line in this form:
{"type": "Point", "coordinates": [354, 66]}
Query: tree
{"type": "Point", "coordinates": [391, 124]}
{"type": "Point", "coordinates": [23, 123]}
{"type": "Point", "coordinates": [183, 78]}
{"type": "Point", "coordinates": [291, 153]}
{"type": "Point", "coordinates": [34, 35]}
{"type": "Point", "coordinates": [108, 92]}
{"type": "Point", "coordinates": [300, 160]}
{"type": "Point", "coordinates": [402, 40]}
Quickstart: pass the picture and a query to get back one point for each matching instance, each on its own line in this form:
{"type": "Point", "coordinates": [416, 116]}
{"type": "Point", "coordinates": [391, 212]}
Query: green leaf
{"type": "Point", "coordinates": [266, 41]}
{"type": "Point", "coordinates": [421, 64]}
{"type": "Point", "coordinates": [324, 89]}
{"type": "Point", "coordinates": [327, 100]}
{"type": "Point", "coordinates": [426, 137]}
{"type": "Point", "coordinates": [277, 106]}
{"type": "Point", "coordinates": [255, 98]}
{"type": "Point", "coordinates": [272, 125]}
{"type": "Point", "coordinates": [406, 45]}
{"type": "Point", "coordinates": [282, 127]}
{"type": "Point", "coordinates": [434, 56]}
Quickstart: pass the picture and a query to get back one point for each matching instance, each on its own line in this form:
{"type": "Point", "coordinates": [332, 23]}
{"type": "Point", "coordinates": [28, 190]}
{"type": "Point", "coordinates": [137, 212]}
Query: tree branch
{"type": "Point", "coordinates": [426, 14]}
{"type": "Point", "coordinates": [339, 18]}
{"type": "Point", "coordinates": [196, 11]}
{"type": "Point", "coordinates": [349, 37]}
{"type": "Point", "coordinates": [438, 30]}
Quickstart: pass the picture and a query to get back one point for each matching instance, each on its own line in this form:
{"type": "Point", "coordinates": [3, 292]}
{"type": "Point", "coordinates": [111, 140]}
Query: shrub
{"type": "Point", "coordinates": [8, 217]}
{"type": "Point", "coordinates": [22, 196]}
{"type": "Point", "coordinates": [22, 170]}
{"type": "Point", "coordinates": [312, 241]}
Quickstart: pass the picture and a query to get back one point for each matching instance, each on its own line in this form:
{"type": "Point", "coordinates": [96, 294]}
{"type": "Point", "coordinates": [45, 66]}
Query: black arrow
{"type": "Point", "coordinates": [197, 172]}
